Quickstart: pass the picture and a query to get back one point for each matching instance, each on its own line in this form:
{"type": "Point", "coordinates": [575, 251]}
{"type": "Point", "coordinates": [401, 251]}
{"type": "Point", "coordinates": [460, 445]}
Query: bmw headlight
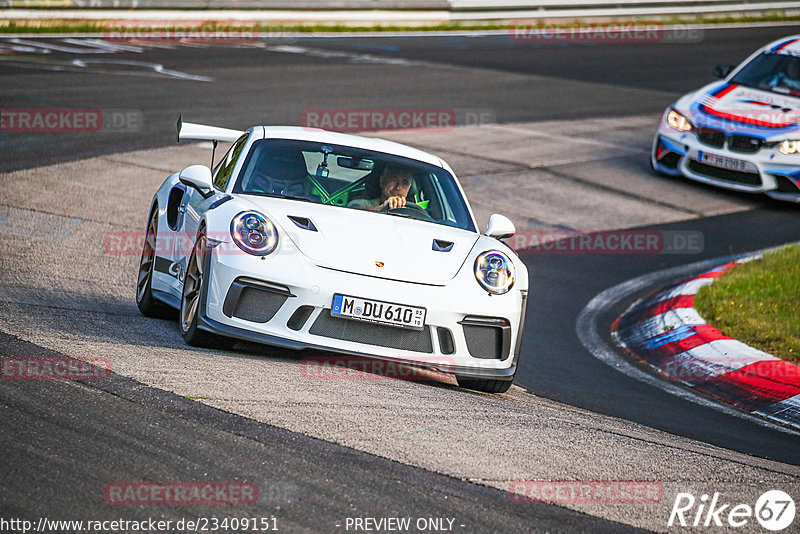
{"type": "Point", "coordinates": [494, 272]}
{"type": "Point", "coordinates": [790, 146]}
{"type": "Point", "coordinates": [679, 122]}
{"type": "Point", "coordinates": [254, 233]}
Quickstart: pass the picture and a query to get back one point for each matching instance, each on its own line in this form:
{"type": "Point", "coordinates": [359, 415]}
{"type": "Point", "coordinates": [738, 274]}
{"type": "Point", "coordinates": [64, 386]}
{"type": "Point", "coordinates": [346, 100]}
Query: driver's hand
{"type": "Point", "coordinates": [395, 202]}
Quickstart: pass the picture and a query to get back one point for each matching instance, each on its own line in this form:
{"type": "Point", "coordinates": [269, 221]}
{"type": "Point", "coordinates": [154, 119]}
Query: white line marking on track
{"type": "Point", "coordinates": [350, 56]}
{"type": "Point", "coordinates": [84, 47]}
{"type": "Point", "coordinates": [141, 68]}
{"type": "Point", "coordinates": [570, 138]}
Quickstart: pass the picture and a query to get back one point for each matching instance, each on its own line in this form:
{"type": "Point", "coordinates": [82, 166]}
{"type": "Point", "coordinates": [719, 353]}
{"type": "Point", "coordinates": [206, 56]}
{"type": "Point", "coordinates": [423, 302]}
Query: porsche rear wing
{"type": "Point", "coordinates": [188, 130]}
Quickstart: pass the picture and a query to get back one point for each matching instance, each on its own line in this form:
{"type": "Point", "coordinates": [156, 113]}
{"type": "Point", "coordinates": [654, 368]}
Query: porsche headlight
{"type": "Point", "coordinates": [494, 272]}
{"type": "Point", "coordinates": [254, 233]}
{"type": "Point", "coordinates": [790, 146]}
{"type": "Point", "coordinates": [679, 122]}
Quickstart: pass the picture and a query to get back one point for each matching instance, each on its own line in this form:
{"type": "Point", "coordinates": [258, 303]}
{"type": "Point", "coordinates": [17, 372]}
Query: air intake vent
{"type": "Point", "coordinates": [440, 245]}
{"type": "Point", "coordinates": [257, 306]}
{"type": "Point", "coordinates": [747, 178]}
{"type": "Point", "coordinates": [446, 344]}
{"type": "Point", "coordinates": [299, 317]}
{"type": "Point", "coordinates": [372, 334]}
{"type": "Point", "coordinates": [254, 300]}
{"type": "Point", "coordinates": [487, 337]}
{"type": "Point", "coordinates": [785, 185]}
{"type": "Point", "coordinates": [303, 222]}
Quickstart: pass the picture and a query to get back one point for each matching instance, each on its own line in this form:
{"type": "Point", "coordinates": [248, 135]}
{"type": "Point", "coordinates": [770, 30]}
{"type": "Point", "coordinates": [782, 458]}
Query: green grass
{"type": "Point", "coordinates": [86, 26]}
{"type": "Point", "coordinates": [758, 303]}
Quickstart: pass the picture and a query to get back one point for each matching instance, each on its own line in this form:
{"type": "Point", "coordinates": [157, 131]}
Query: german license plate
{"type": "Point", "coordinates": [377, 311]}
{"type": "Point", "coordinates": [723, 162]}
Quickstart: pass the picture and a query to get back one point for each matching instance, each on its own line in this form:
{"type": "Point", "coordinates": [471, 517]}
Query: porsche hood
{"type": "Point", "coordinates": [370, 244]}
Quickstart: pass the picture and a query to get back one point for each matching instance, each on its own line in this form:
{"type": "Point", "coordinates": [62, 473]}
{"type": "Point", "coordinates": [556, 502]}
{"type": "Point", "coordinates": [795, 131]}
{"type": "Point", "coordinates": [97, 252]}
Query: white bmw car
{"type": "Point", "coordinates": [742, 133]}
{"type": "Point", "coordinates": [290, 241]}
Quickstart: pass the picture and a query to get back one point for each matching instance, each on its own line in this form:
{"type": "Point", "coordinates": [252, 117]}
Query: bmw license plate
{"type": "Point", "coordinates": [723, 162]}
{"type": "Point", "coordinates": [376, 311]}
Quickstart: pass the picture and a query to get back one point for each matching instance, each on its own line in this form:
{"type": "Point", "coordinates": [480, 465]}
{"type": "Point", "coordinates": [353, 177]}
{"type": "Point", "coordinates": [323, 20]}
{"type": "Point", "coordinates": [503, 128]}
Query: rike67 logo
{"type": "Point", "coordinates": [774, 510]}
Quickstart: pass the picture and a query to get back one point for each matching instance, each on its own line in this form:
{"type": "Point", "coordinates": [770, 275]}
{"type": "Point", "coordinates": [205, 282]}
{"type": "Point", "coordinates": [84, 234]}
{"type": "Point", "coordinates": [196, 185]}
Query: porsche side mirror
{"type": "Point", "coordinates": [500, 227]}
{"type": "Point", "coordinates": [199, 177]}
{"type": "Point", "coordinates": [722, 71]}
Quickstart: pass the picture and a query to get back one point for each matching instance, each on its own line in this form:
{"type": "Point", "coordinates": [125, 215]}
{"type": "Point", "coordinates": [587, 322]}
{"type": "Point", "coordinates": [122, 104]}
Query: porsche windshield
{"type": "Point", "coordinates": [353, 178]}
{"type": "Point", "coordinates": [779, 73]}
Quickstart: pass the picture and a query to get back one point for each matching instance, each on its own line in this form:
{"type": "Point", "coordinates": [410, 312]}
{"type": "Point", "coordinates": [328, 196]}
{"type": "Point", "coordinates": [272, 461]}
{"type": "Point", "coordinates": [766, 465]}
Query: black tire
{"type": "Point", "coordinates": [191, 296]}
{"type": "Point", "coordinates": [147, 304]}
{"type": "Point", "coordinates": [485, 385]}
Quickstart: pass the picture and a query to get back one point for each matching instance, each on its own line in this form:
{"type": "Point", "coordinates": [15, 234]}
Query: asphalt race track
{"type": "Point", "coordinates": [566, 149]}
{"type": "Point", "coordinates": [305, 483]}
{"type": "Point", "coordinates": [518, 82]}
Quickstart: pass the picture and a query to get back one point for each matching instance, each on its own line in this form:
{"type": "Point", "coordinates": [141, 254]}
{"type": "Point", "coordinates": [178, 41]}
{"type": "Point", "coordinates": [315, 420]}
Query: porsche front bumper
{"type": "Point", "coordinates": [285, 300]}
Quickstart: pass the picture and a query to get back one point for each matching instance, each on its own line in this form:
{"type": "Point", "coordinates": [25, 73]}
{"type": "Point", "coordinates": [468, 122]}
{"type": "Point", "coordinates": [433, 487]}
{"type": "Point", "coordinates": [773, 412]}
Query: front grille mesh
{"type": "Point", "coordinates": [484, 341]}
{"type": "Point", "coordinates": [371, 334]}
{"type": "Point", "coordinates": [258, 306]}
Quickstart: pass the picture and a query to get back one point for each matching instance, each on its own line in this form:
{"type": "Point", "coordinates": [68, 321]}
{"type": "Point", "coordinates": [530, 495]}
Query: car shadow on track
{"type": "Point", "coordinates": [90, 318]}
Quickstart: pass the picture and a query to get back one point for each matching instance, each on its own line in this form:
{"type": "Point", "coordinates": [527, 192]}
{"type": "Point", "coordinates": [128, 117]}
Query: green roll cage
{"type": "Point", "coordinates": [342, 196]}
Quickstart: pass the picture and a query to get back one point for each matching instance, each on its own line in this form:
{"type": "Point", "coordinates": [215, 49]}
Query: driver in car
{"type": "Point", "coordinates": [789, 79]}
{"type": "Point", "coordinates": [395, 184]}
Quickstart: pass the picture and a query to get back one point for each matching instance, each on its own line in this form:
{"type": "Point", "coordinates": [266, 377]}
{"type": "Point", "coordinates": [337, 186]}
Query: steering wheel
{"type": "Point", "coordinates": [411, 209]}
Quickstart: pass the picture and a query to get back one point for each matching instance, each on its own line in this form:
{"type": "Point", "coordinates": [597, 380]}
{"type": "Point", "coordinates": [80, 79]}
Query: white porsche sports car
{"type": "Point", "coordinates": [304, 238]}
{"type": "Point", "coordinates": [742, 133]}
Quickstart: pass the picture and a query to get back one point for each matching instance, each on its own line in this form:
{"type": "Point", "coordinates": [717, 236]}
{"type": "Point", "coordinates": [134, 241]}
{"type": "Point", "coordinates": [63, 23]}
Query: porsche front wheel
{"type": "Point", "coordinates": [191, 299]}
{"type": "Point", "coordinates": [145, 301]}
